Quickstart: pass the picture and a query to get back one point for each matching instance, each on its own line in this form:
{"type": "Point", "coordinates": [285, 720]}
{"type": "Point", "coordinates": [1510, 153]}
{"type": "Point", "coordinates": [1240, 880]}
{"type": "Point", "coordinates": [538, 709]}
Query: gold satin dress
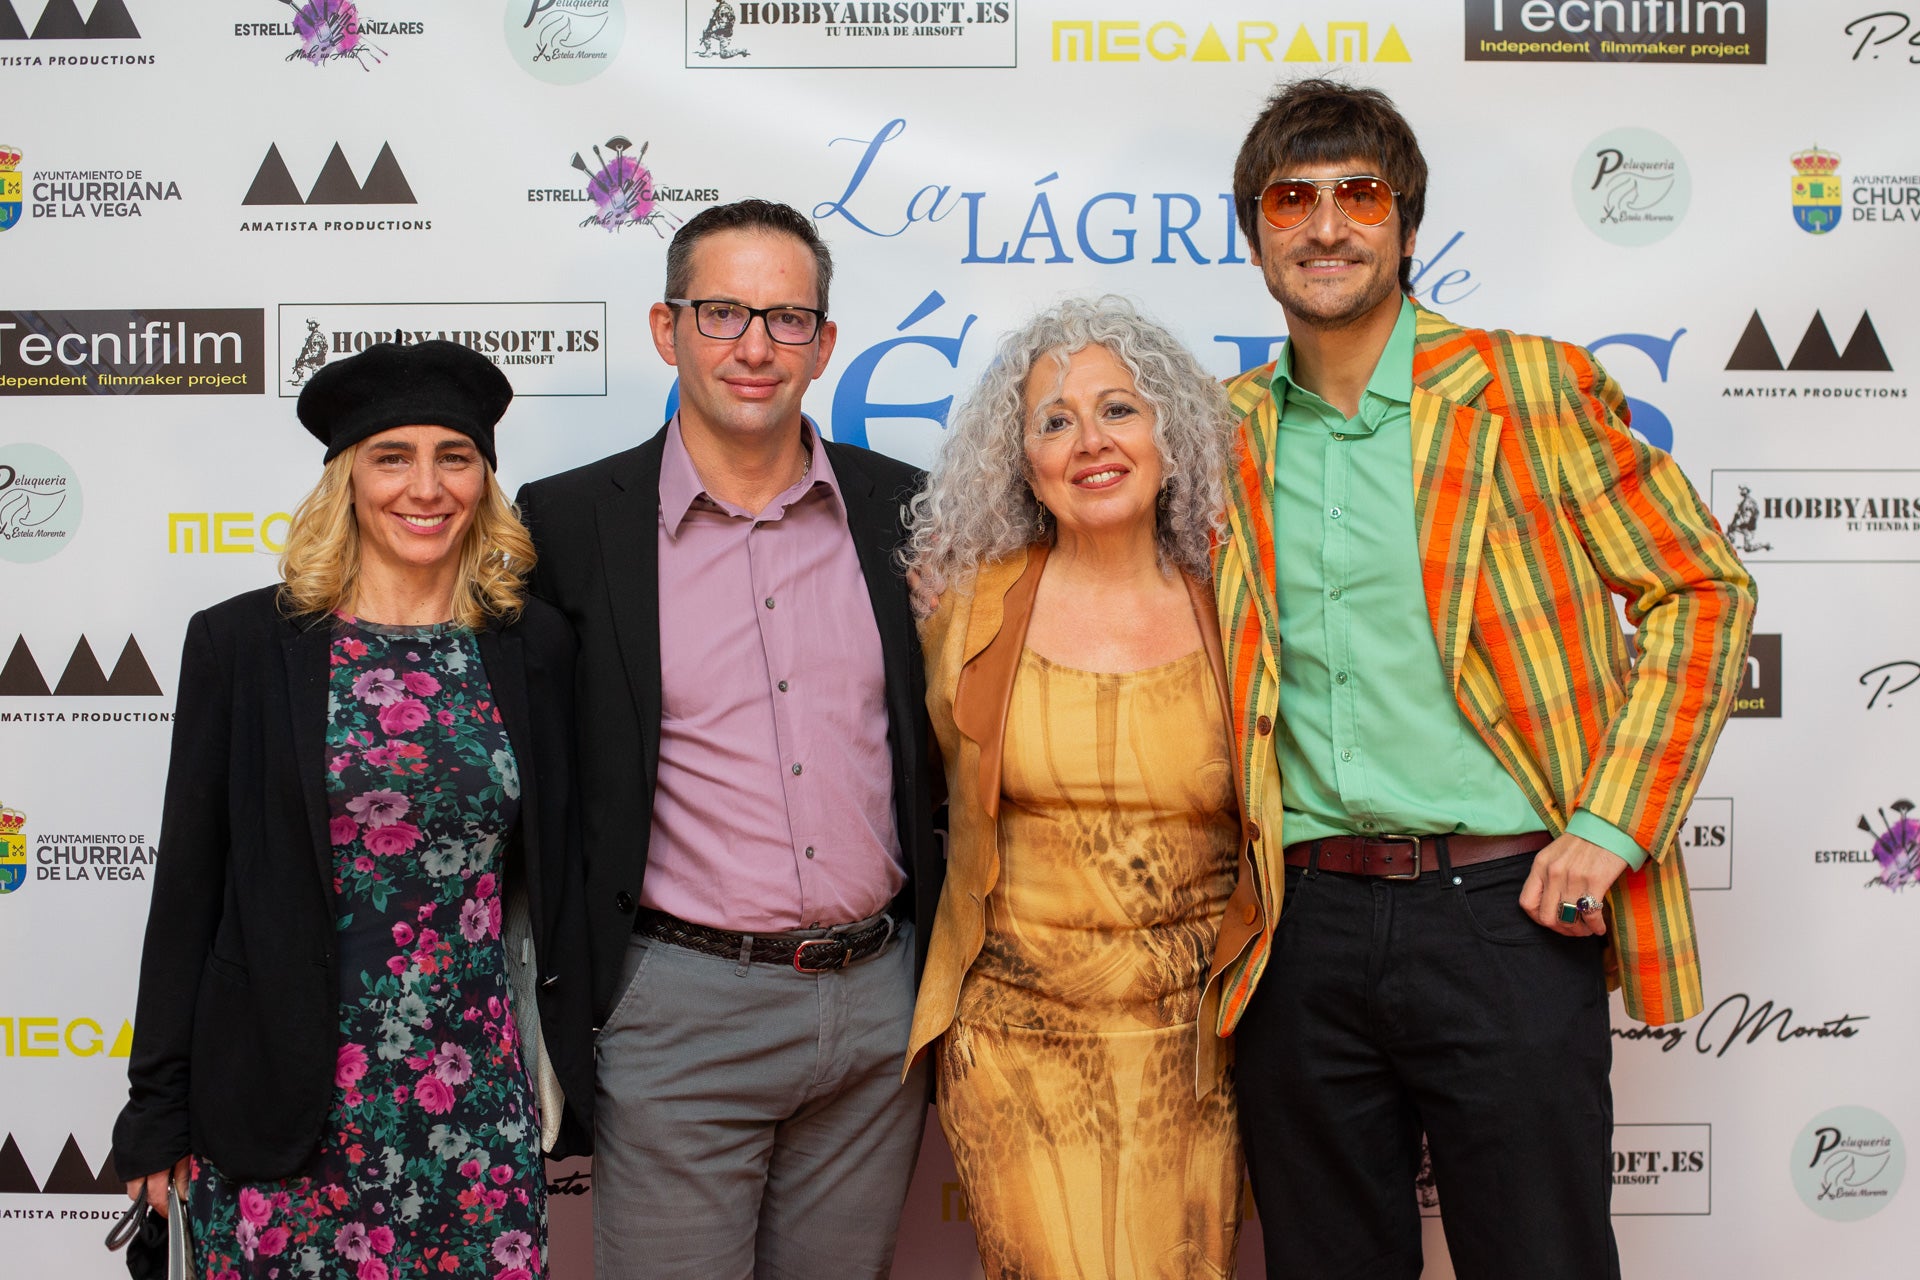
{"type": "Point", "coordinates": [1067, 1078]}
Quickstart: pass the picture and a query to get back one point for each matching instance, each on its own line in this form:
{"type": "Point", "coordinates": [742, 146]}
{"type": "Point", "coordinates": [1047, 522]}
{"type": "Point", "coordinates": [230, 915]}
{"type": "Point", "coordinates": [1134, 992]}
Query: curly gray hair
{"type": "Point", "coordinates": [978, 506]}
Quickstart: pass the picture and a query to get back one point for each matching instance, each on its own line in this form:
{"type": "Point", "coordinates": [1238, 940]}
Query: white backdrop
{"type": "Point", "coordinates": [169, 180]}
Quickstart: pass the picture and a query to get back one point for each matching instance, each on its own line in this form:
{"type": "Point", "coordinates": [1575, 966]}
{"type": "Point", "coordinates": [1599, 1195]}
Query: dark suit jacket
{"type": "Point", "coordinates": [597, 529]}
{"type": "Point", "coordinates": [237, 1026]}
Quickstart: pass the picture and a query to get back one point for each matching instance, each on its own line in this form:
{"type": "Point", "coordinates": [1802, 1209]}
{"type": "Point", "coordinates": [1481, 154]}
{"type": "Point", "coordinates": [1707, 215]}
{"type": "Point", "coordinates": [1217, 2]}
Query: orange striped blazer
{"type": "Point", "coordinates": [1534, 507]}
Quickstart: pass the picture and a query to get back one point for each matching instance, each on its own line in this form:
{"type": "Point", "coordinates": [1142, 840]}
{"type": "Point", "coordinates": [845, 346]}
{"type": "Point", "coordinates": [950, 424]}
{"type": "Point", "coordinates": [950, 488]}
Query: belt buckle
{"type": "Point", "coordinates": [1415, 842]}
{"type": "Point", "coordinates": [838, 963]}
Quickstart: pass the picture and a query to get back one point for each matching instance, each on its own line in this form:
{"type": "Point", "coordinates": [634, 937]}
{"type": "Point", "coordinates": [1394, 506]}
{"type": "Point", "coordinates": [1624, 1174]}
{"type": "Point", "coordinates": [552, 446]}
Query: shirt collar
{"type": "Point", "coordinates": [681, 486]}
{"type": "Point", "coordinates": [1392, 378]}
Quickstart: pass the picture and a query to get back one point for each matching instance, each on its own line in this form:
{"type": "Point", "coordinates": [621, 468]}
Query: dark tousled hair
{"type": "Point", "coordinates": [1319, 121]}
{"type": "Point", "coordinates": [747, 215]}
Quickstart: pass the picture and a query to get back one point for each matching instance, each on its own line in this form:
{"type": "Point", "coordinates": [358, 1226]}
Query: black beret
{"type": "Point", "coordinates": [415, 384]}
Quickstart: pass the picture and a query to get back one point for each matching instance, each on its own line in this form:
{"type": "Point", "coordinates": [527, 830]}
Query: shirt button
{"type": "Point", "coordinates": [1366, 826]}
{"type": "Point", "coordinates": [783, 686]}
{"type": "Point", "coordinates": [1339, 677]}
{"type": "Point", "coordinates": [1335, 513]}
{"type": "Point", "coordinates": [796, 771]}
{"type": "Point", "coordinates": [1263, 726]}
{"type": "Point", "coordinates": [769, 602]}
{"type": "Point", "coordinates": [1333, 593]}
{"type": "Point", "coordinates": [1344, 755]}
{"type": "Point", "coordinates": [809, 851]}
{"type": "Point", "coordinates": [1339, 435]}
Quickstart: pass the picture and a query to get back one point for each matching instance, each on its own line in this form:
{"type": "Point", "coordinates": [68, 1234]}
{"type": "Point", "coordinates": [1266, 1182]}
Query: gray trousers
{"type": "Point", "coordinates": [750, 1120]}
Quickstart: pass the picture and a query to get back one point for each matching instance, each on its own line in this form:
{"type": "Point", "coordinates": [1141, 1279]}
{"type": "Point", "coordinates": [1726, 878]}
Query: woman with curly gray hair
{"type": "Point", "coordinates": [1075, 683]}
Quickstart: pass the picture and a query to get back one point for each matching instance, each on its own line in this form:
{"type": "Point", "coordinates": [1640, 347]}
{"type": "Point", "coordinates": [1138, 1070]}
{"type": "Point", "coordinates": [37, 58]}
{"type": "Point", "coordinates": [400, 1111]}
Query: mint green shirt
{"type": "Point", "coordinates": [1371, 740]}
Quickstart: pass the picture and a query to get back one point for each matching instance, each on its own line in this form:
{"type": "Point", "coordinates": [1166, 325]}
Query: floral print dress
{"type": "Point", "coordinates": [430, 1164]}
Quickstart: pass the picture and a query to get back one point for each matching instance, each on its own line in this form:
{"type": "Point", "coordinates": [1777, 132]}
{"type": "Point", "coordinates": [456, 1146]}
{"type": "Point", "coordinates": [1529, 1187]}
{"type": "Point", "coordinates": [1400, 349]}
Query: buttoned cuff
{"type": "Point", "coordinates": [1608, 837]}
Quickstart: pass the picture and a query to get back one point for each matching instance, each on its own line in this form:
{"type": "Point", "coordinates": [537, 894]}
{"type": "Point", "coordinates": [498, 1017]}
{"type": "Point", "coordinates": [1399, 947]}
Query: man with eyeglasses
{"type": "Point", "coordinates": [755, 806]}
{"type": "Point", "coordinates": [1464, 789]}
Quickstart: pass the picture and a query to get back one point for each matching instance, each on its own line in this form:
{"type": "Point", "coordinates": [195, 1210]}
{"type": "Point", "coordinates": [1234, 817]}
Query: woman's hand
{"type": "Point", "coordinates": [154, 1186]}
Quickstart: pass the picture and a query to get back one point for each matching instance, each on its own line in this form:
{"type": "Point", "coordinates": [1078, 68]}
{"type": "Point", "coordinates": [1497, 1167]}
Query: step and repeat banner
{"type": "Point", "coordinates": [202, 204]}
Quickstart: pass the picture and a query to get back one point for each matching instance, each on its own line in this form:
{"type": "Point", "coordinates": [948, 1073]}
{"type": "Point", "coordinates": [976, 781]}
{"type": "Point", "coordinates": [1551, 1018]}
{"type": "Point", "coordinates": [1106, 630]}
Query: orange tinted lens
{"type": "Point", "coordinates": [1287, 204]}
{"type": "Point", "coordinates": [1367, 201]}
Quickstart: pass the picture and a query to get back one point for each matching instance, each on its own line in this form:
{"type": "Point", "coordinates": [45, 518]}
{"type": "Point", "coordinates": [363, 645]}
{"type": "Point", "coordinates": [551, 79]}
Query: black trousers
{"type": "Point", "coordinates": [1389, 1008]}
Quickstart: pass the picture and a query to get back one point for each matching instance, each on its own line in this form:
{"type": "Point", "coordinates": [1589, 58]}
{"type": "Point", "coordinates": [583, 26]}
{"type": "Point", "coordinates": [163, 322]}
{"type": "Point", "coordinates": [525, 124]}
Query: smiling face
{"type": "Point", "coordinates": [750, 387]}
{"type": "Point", "coordinates": [415, 490]}
{"type": "Point", "coordinates": [1330, 272]}
{"type": "Point", "coordinates": [1091, 456]}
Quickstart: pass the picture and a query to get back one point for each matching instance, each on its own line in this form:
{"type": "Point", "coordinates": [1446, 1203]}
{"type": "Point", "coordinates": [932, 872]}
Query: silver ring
{"type": "Point", "coordinates": [1586, 904]}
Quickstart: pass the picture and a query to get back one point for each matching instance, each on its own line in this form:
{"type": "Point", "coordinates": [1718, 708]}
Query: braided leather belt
{"type": "Point", "coordinates": [806, 955]}
{"type": "Point", "coordinates": [1405, 857]}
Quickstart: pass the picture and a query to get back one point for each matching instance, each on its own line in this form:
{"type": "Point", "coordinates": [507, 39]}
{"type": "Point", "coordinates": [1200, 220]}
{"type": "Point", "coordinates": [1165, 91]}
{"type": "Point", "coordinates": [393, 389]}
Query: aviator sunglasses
{"type": "Point", "coordinates": [1363, 198]}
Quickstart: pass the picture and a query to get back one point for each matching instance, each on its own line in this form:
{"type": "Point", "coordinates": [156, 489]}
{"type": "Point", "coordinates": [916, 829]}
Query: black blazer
{"type": "Point", "coordinates": [597, 529]}
{"type": "Point", "coordinates": [237, 1025]}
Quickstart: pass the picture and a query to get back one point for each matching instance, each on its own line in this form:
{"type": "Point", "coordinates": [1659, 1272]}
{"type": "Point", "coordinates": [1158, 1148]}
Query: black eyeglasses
{"type": "Point", "coordinates": [725, 321]}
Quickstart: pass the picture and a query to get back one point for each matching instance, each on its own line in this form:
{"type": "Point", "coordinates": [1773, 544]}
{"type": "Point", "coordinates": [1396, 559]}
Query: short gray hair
{"type": "Point", "coordinates": [978, 506]}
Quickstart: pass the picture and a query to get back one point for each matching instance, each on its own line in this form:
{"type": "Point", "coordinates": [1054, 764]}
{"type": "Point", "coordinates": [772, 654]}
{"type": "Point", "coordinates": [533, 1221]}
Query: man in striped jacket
{"type": "Point", "coordinates": [1463, 787]}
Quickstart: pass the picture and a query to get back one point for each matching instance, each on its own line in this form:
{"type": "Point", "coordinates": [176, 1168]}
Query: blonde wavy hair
{"type": "Point", "coordinates": [320, 568]}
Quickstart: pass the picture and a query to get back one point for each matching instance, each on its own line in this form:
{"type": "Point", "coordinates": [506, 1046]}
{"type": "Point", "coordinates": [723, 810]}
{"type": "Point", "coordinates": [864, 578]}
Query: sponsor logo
{"type": "Point", "coordinates": [25, 1037]}
{"type": "Point", "coordinates": [1088, 40]}
{"type": "Point", "coordinates": [1809, 517]}
{"type": "Point", "coordinates": [1631, 186]}
{"type": "Point", "coordinates": [166, 351]}
{"type": "Point", "coordinates": [1816, 352]}
{"type": "Point", "coordinates": [1875, 35]}
{"type": "Point", "coordinates": [336, 185]}
{"type": "Point", "coordinates": [1712, 32]}
{"type": "Point", "coordinates": [13, 849]}
{"type": "Point", "coordinates": [40, 503]}
{"type": "Point", "coordinates": [858, 33]}
{"type": "Point", "coordinates": [1818, 190]}
{"type": "Point", "coordinates": [544, 348]}
{"type": "Point", "coordinates": [10, 188]}
{"type": "Point", "coordinates": [98, 193]}
{"type": "Point", "coordinates": [1662, 1170]}
{"type": "Point", "coordinates": [90, 858]}
{"type": "Point", "coordinates": [1847, 1163]}
{"type": "Point", "coordinates": [622, 191]}
{"type": "Point", "coordinates": [1658, 1170]}
{"type": "Point", "coordinates": [82, 677]}
{"type": "Point", "coordinates": [323, 32]}
{"type": "Point", "coordinates": [566, 41]}
{"type": "Point", "coordinates": [227, 532]}
{"type": "Point", "coordinates": [1758, 696]}
{"type": "Point", "coordinates": [70, 1175]}
{"type": "Point", "coordinates": [1738, 1020]}
{"type": "Point", "coordinates": [1888, 679]}
{"type": "Point", "coordinates": [1893, 854]}
{"type": "Point", "coordinates": [60, 20]}
{"type": "Point", "coordinates": [1706, 841]}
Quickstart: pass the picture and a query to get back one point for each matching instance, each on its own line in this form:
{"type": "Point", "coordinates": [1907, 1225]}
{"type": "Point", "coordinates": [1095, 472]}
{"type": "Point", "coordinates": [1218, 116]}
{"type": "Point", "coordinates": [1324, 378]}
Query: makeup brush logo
{"type": "Point", "coordinates": [622, 190]}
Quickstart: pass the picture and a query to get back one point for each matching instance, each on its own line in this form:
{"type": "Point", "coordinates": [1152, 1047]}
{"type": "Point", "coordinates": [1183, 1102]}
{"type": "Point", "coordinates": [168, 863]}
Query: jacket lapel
{"type": "Point", "coordinates": [1250, 557]}
{"type": "Point", "coordinates": [1003, 595]}
{"type": "Point", "coordinates": [306, 651]}
{"type": "Point", "coordinates": [629, 525]}
{"type": "Point", "coordinates": [1454, 446]}
{"type": "Point", "coordinates": [874, 522]}
{"type": "Point", "coordinates": [504, 657]}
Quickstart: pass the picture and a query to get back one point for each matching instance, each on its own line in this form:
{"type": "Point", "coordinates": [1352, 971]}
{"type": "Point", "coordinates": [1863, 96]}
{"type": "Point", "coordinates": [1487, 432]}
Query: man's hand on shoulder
{"type": "Point", "coordinates": [1565, 871]}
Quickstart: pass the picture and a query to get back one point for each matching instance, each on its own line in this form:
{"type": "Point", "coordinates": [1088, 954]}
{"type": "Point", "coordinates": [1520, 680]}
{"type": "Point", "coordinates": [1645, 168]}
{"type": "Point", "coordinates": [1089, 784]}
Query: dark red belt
{"type": "Point", "coordinates": [1406, 857]}
{"type": "Point", "coordinates": [808, 955]}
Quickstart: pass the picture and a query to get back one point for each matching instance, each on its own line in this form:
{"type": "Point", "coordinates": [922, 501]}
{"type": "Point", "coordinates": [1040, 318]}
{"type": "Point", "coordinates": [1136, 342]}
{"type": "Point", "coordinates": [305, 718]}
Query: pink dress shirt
{"type": "Point", "coordinates": [773, 808]}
